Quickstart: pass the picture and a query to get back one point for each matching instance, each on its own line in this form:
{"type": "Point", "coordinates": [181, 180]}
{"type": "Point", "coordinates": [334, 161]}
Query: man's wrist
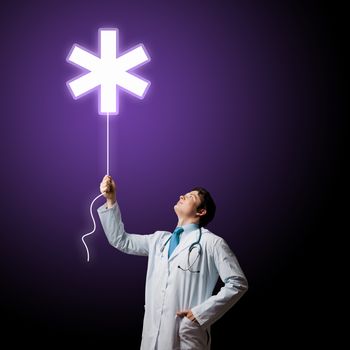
{"type": "Point", "coordinates": [191, 317]}
{"type": "Point", "coordinates": [110, 202]}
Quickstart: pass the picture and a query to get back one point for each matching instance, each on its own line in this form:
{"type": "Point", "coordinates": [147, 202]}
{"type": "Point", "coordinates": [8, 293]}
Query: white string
{"type": "Point", "coordinates": [93, 201]}
{"type": "Point", "coordinates": [107, 143]}
{"type": "Point", "coordinates": [90, 233]}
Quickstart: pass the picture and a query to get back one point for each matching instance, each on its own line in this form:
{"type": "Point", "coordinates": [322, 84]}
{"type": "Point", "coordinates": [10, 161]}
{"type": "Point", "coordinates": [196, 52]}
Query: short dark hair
{"type": "Point", "coordinates": [207, 203]}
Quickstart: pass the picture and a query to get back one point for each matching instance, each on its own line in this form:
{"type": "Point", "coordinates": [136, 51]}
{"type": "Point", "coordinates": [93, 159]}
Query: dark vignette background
{"type": "Point", "coordinates": [245, 100]}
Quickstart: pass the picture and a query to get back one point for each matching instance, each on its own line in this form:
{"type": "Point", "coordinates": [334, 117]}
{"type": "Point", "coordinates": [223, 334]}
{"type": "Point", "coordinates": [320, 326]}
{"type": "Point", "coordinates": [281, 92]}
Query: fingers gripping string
{"type": "Point", "coordinates": [93, 201]}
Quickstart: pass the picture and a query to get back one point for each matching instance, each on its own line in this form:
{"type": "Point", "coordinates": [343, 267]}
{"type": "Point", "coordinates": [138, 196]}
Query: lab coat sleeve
{"type": "Point", "coordinates": [235, 286]}
{"type": "Point", "coordinates": [113, 227]}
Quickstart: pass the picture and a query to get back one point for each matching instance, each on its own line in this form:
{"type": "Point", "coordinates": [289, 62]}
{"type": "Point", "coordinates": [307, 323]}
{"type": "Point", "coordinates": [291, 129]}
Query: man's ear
{"type": "Point", "coordinates": [201, 212]}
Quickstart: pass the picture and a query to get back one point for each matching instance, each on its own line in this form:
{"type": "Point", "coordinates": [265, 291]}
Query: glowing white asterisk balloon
{"type": "Point", "coordinates": [108, 71]}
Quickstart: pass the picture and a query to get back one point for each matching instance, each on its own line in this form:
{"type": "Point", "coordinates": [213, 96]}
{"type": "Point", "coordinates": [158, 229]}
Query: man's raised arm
{"type": "Point", "coordinates": [111, 220]}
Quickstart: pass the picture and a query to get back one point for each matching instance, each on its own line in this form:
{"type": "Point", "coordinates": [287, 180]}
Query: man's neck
{"type": "Point", "coordinates": [185, 221]}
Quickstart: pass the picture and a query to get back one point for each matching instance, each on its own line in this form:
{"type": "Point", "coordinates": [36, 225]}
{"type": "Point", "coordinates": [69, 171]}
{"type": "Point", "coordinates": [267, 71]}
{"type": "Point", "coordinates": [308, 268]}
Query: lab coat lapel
{"type": "Point", "coordinates": [184, 243]}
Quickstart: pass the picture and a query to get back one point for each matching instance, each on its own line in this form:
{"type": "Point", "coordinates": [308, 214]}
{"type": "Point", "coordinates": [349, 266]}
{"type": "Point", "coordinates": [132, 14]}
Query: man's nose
{"type": "Point", "coordinates": [182, 197]}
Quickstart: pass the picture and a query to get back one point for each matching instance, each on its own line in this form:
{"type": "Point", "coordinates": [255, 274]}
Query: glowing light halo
{"type": "Point", "coordinates": [107, 71]}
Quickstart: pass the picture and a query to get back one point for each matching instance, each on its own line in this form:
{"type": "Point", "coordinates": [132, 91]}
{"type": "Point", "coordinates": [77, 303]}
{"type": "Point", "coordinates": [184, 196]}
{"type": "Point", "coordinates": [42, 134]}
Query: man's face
{"type": "Point", "coordinates": [187, 204]}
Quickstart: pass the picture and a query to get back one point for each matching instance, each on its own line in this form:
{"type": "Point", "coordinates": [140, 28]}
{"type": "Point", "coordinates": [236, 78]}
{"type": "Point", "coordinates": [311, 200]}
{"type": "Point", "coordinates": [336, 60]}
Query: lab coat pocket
{"type": "Point", "coordinates": [192, 335]}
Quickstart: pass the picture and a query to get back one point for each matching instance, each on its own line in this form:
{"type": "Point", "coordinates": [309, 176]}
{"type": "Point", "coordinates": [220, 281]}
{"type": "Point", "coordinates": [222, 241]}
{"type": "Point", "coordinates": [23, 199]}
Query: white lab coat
{"type": "Point", "coordinates": [169, 289]}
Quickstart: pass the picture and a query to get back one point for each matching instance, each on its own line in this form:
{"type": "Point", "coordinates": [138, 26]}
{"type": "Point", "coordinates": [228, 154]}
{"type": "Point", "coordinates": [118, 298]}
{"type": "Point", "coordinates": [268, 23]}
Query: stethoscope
{"type": "Point", "coordinates": [192, 246]}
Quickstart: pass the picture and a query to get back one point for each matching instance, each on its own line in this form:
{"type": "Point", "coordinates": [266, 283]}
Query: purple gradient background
{"type": "Point", "coordinates": [244, 101]}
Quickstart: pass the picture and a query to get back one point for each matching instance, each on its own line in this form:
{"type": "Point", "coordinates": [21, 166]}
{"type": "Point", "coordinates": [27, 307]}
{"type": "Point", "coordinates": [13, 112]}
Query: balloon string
{"type": "Point", "coordinates": [93, 201]}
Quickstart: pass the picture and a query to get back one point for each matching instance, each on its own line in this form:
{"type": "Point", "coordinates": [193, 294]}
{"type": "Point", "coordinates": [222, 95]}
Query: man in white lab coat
{"type": "Point", "coordinates": [183, 269]}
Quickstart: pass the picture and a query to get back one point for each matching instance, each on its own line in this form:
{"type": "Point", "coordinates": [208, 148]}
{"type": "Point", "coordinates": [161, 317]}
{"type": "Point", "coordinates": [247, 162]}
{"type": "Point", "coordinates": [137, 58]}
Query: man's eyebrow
{"type": "Point", "coordinates": [194, 194]}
